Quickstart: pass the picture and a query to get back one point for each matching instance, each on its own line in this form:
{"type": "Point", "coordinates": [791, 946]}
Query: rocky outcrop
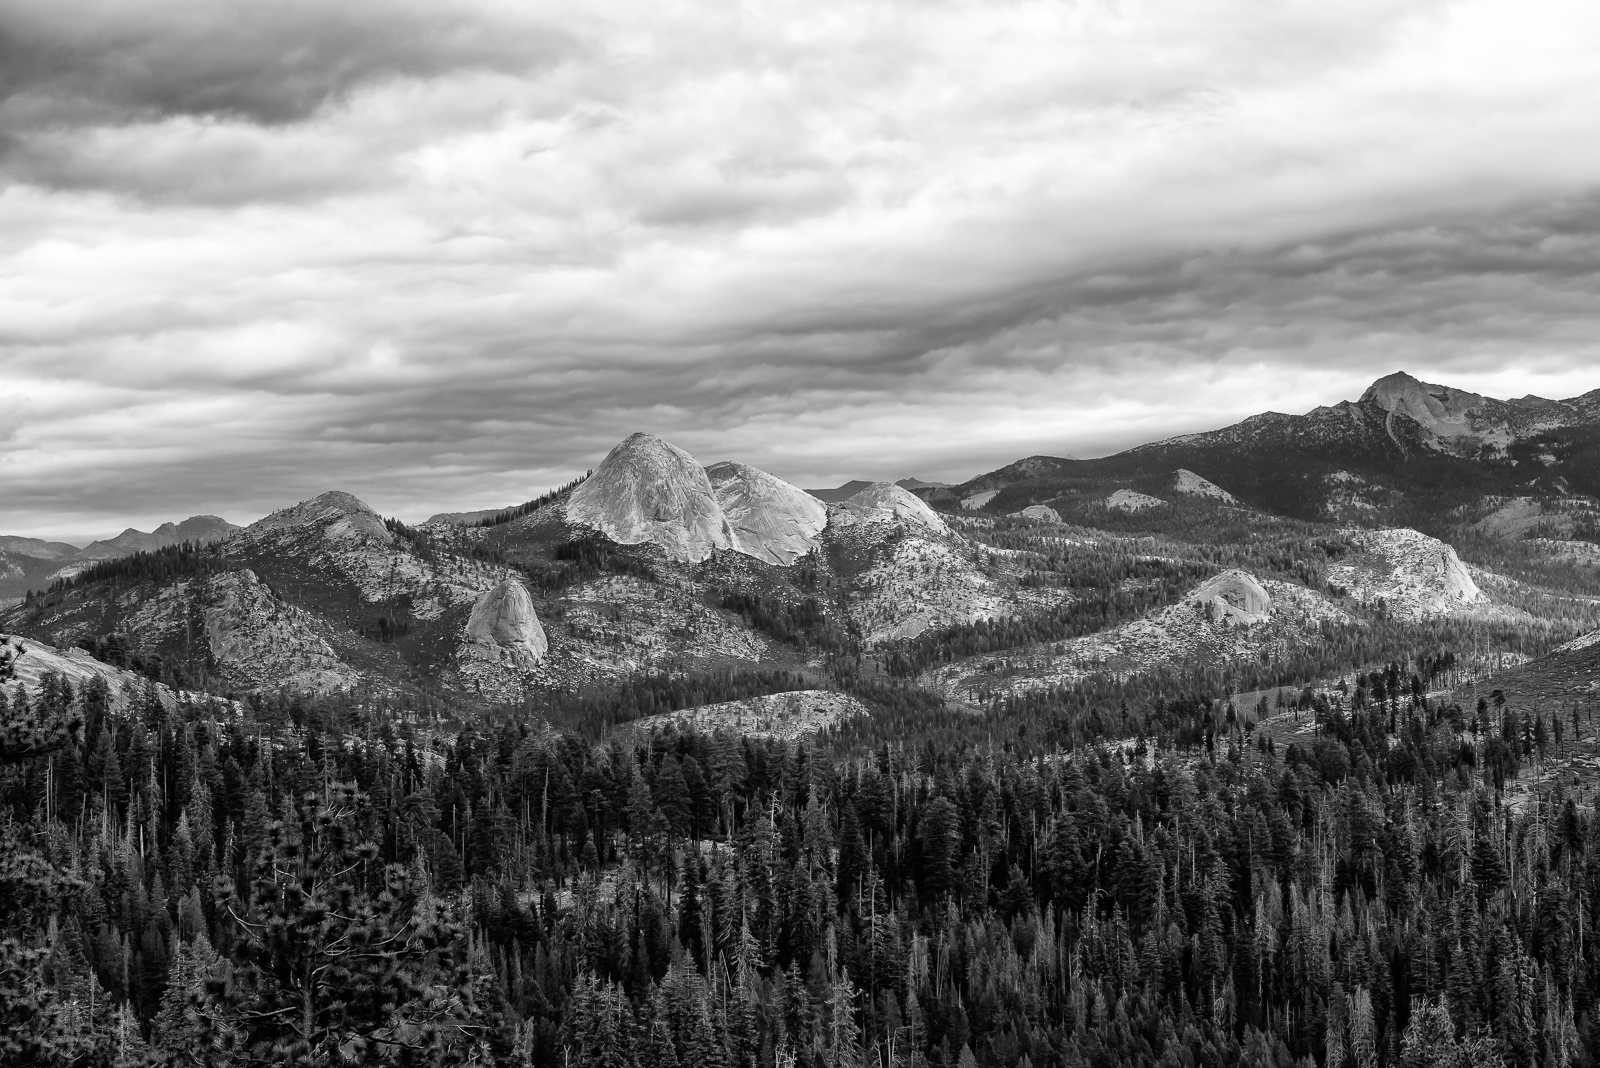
{"type": "Point", "coordinates": [1234, 596]}
{"type": "Point", "coordinates": [648, 491]}
{"type": "Point", "coordinates": [1042, 513]}
{"type": "Point", "coordinates": [978, 500]}
{"type": "Point", "coordinates": [1127, 500]}
{"type": "Point", "coordinates": [1412, 575]}
{"type": "Point", "coordinates": [767, 518]}
{"type": "Point", "coordinates": [884, 502]}
{"type": "Point", "coordinates": [38, 659]}
{"type": "Point", "coordinates": [503, 625]}
{"type": "Point", "coordinates": [1191, 484]}
{"type": "Point", "coordinates": [1440, 410]}
{"type": "Point", "coordinates": [263, 642]}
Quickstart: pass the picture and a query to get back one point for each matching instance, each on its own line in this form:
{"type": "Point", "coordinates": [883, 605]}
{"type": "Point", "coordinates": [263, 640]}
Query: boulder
{"type": "Point", "coordinates": [503, 622]}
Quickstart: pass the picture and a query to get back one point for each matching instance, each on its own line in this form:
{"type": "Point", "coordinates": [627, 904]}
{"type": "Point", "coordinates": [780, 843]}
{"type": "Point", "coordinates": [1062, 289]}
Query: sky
{"type": "Point", "coordinates": [444, 255]}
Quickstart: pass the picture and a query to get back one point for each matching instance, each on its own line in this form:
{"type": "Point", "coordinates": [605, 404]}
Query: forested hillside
{"type": "Point", "coordinates": [320, 881]}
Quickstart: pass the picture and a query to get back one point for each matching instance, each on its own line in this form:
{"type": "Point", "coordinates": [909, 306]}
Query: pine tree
{"type": "Point", "coordinates": [339, 956]}
{"type": "Point", "coordinates": [35, 1023]}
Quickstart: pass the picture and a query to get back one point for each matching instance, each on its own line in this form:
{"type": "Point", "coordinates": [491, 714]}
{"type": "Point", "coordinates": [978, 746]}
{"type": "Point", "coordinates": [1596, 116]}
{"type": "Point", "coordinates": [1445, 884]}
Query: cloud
{"type": "Point", "coordinates": [101, 61]}
{"type": "Point", "coordinates": [444, 255]}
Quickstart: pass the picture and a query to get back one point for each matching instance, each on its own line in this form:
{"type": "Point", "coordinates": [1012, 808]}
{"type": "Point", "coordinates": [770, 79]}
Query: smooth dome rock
{"type": "Point", "coordinates": [1040, 512]}
{"type": "Point", "coordinates": [1414, 575]}
{"type": "Point", "coordinates": [886, 501]}
{"type": "Point", "coordinates": [1236, 597]}
{"type": "Point", "coordinates": [647, 490]}
{"type": "Point", "coordinates": [768, 518]}
{"type": "Point", "coordinates": [503, 620]}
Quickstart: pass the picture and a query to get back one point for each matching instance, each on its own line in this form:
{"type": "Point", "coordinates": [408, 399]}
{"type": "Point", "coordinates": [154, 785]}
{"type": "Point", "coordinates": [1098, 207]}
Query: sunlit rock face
{"type": "Point", "coordinates": [257, 638]}
{"type": "Point", "coordinates": [1235, 596]}
{"type": "Point", "coordinates": [1127, 500]}
{"type": "Point", "coordinates": [768, 518]}
{"type": "Point", "coordinates": [1413, 575]}
{"type": "Point", "coordinates": [1042, 513]}
{"type": "Point", "coordinates": [649, 491]}
{"type": "Point", "coordinates": [1441, 410]}
{"type": "Point", "coordinates": [341, 515]}
{"type": "Point", "coordinates": [504, 622]}
{"type": "Point", "coordinates": [1192, 485]}
{"type": "Point", "coordinates": [886, 502]}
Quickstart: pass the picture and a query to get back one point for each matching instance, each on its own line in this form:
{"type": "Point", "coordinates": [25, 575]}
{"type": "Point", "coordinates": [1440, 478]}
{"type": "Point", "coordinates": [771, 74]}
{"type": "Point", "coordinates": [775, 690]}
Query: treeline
{"type": "Point", "coordinates": [154, 565]}
{"type": "Point", "coordinates": [501, 518]}
{"type": "Point", "coordinates": [803, 623]}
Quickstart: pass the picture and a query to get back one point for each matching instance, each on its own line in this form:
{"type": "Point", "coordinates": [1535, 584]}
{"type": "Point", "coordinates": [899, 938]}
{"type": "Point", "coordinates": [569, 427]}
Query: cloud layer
{"type": "Point", "coordinates": [444, 255]}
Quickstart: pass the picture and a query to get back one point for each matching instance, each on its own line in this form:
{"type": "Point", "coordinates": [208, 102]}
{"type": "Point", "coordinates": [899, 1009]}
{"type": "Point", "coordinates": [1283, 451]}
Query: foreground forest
{"type": "Point", "coordinates": [290, 882]}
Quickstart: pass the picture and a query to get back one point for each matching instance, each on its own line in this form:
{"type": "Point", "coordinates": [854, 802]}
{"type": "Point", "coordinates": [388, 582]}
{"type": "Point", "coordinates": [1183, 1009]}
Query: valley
{"type": "Point", "coordinates": [1273, 746]}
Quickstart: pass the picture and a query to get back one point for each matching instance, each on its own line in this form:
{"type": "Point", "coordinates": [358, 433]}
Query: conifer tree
{"type": "Point", "coordinates": [338, 957]}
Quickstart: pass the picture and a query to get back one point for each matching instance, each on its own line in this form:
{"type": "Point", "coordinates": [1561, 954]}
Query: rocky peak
{"type": "Point", "coordinates": [768, 518]}
{"type": "Point", "coordinates": [196, 528]}
{"type": "Point", "coordinates": [333, 508]}
{"type": "Point", "coordinates": [1441, 409]}
{"type": "Point", "coordinates": [647, 490]}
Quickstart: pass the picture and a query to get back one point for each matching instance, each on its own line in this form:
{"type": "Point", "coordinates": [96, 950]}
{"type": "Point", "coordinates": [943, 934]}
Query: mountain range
{"type": "Point", "coordinates": [1252, 550]}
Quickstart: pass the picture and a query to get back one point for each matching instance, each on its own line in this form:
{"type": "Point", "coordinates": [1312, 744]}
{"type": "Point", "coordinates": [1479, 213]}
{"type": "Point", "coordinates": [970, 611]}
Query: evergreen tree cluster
{"type": "Point", "coordinates": [197, 883]}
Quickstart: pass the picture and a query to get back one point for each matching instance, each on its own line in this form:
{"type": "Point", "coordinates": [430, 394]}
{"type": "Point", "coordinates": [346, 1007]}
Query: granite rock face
{"type": "Point", "coordinates": [343, 516]}
{"type": "Point", "coordinates": [886, 502]}
{"type": "Point", "coordinates": [1235, 596]}
{"type": "Point", "coordinates": [1415, 576]}
{"type": "Point", "coordinates": [1127, 500]}
{"type": "Point", "coordinates": [503, 622]}
{"type": "Point", "coordinates": [768, 518]}
{"type": "Point", "coordinates": [647, 490]}
{"type": "Point", "coordinates": [1193, 485]}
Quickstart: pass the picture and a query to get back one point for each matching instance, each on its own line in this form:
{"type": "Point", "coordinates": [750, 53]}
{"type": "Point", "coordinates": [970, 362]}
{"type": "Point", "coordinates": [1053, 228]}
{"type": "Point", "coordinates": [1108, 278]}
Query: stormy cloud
{"type": "Point", "coordinates": [443, 255]}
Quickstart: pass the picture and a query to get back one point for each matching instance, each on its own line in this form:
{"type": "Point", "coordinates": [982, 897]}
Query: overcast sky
{"type": "Point", "coordinates": [443, 255]}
